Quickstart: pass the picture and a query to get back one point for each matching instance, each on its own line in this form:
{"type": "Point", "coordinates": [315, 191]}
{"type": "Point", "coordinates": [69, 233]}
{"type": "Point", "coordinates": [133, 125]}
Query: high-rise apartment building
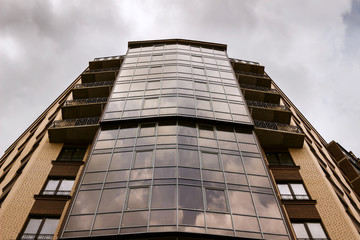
{"type": "Point", "coordinates": [176, 140]}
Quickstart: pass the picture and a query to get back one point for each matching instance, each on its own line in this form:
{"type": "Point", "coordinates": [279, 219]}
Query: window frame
{"type": "Point", "coordinates": [293, 196]}
{"type": "Point", "coordinates": [308, 231]}
{"type": "Point", "coordinates": [57, 189]}
{"type": "Point", "coordinates": [39, 229]}
{"type": "Point", "coordinates": [278, 162]}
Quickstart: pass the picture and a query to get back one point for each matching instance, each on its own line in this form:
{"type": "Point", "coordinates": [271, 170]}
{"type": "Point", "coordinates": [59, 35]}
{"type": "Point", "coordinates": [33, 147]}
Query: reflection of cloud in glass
{"type": "Point", "coordinates": [135, 219]}
{"type": "Point", "coordinates": [164, 196]}
{"type": "Point", "coordinates": [241, 202]}
{"type": "Point", "coordinates": [254, 165]}
{"type": "Point", "coordinates": [216, 200]}
{"type": "Point", "coordinates": [138, 198]}
{"type": "Point", "coordinates": [244, 223]}
{"type": "Point", "coordinates": [107, 220]}
{"type": "Point", "coordinates": [218, 220]}
{"type": "Point", "coordinates": [193, 218]}
{"type": "Point", "coordinates": [163, 217]}
{"type": "Point", "coordinates": [86, 202]}
{"type": "Point", "coordinates": [140, 174]}
{"type": "Point", "coordinates": [272, 226]}
{"type": "Point", "coordinates": [112, 200]}
{"type": "Point", "coordinates": [232, 163]}
{"type": "Point", "coordinates": [190, 197]}
{"type": "Point", "coordinates": [266, 205]}
{"type": "Point", "coordinates": [79, 222]}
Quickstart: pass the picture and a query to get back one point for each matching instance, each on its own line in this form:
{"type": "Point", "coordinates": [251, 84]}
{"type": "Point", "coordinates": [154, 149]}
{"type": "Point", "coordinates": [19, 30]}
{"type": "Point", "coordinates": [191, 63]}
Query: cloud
{"type": "Point", "coordinates": [309, 49]}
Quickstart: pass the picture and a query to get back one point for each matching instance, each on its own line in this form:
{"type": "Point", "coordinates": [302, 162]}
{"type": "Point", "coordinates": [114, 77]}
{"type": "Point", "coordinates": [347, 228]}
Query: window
{"type": "Point", "coordinates": [40, 228]}
{"type": "Point", "coordinates": [58, 187]}
{"type": "Point", "coordinates": [292, 191]}
{"type": "Point", "coordinates": [72, 154]}
{"type": "Point", "coordinates": [309, 230]}
{"type": "Point", "coordinates": [282, 158]}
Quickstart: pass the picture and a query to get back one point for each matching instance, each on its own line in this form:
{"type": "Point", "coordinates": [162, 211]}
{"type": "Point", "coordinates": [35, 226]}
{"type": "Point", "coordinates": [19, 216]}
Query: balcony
{"type": "Point", "coordinates": [92, 90]}
{"type": "Point", "coordinates": [81, 130]}
{"type": "Point", "coordinates": [277, 135]}
{"type": "Point", "coordinates": [249, 67]}
{"type": "Point", "coordinates": [269, 112]}
{"type": "Point", "coordinates": [253, 79]}
{"type": "Point", "coordinates": [83, 108]}
{"type": "Point", "coordinates": [99, 75]}
{"type": "Point", "coordinates": [106, 62]}
{"type": "Point", "coordinates": [260, 94]}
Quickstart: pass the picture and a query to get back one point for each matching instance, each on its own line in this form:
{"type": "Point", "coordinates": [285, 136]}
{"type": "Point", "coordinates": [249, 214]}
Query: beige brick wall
{"type": "Point", "coordinates": [333, 215]}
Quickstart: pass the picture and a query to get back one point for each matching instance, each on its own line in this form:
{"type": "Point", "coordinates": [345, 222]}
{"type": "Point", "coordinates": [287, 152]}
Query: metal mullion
{"type": "Point", "coordinates": [177, 178]}
{"type": "Point", "coordinates": [226, 186]}
{"type": "Point", "coordinates": [37, 234]}
{"type": "Point", "coordinates": [103, 184]}
{"type": "Point", "coordinates": [126, 200]}
{"type": "Point", "coordinates": [250, 189]}
{"type": "Point", "coordinates": [58, 186]}
{"type": "Point", "coordinates": [292, 192]}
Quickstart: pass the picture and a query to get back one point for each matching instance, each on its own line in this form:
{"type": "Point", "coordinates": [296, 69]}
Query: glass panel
{"type": "Point", "coordinates": [141, 174]}
{"type": "Point", "coordinates": [138, 198]}
{"type": "Point", "coordinates": [232, 163]}
{"type": "Point", "coordinates": [108, 134]}
{"type": "Point", "coordinates": [86, 202]}
{"type": "Point", "coordinates": [79, 222]}
{"type": "Point", "coordinates": [151, 103]}
{"type": "Point", "coordinates": [245, 206]}
{"type": "Point", "coordinates": [254, 166]}
{"type": "Point", "coordinates": [215, 200]}
{"type": "Point", "coordinates": [164, 173]}
{"type": "Point", "coordinates": [147, 130]}
{"type": "Point", "coordinates": [226, 134]}
{"type": "Point", "coordinates": [187, 140]}
{"type": "Point", "coordinates": [213, 176]}
{"type": "Point", "coordinates": [190, 197]}
{"type": "Point", "coordinates": [135, 219]}
{"type": "Point", "coordinates": [128, 131]}
{"type": "Point", "coordinates": [285, 159]}
{"type": "Point", "coordinates": [168, 102]}
{"type": "Point", "coordinates": [259, 181]}
{"type": "Point", "coordinates": [33, 226]}
{"type": "Point", "coordinates": [203, 104]}
{"type": "Point", "coordinates": [284, 191]}
{"type": "Point", "coordinates": [107, 221]}
{"type": "Point", "coordinates": [133, 104]}
{"type": "Point", "coordinates": [316, 230]}
{"type": "Point", "coordinates": [163, 217]}
{"type": "Point", "coordinates": [210, 160]}
{"type": "Point", "coordinates": [266, 205]}
{"type": "Point", "coordinates": [112, 200]}
{"type": "Point", "coordinates": [105, 144]}
{"type": "Point", "coordinates": [165, 157]}
{"type": "Point", "coordinates": [121, 160]}
{"type": "Point", "coordinates": [217, 220]}
{"type": "Point", "coordinates": [206, 131]}
{"type": "Point", "coordinates": [99, 162]}
{"type": "Point", "coordinates": [188, 158]}
{"type": "Point", "coordinates": [93, 177]}
{"type": "Point", "coordinates": [235, 178]}
{"type": "Point", "coordinates": [192, 218]}
{"type": "Point", "coordinates": [51, 187]}
{"type": "Point", "coordinates": [300, 230]}
{"type": "Point", "coordinates": [272, 226]}
{"type": "Point", "coordinates": [245, 223]}
{"type": "Point", "coordinates": [49, 226]}
{"type": "Point", "coordinates": [164, 197]}
{"type": "Point", "coordinates": [143, 159]}
{"type": "Point", "coordinates": [189, 173]}
{"type": "Point", "coordinates": [299, 191]}
{"type": "Point", "coordinates": [66, 186]}
{"type": "Point", "coordinates": [117, 176]}
{"type": "Point", "coordinates": [168, 129]}
{"type": "Point", "coordinates": [187, 129]}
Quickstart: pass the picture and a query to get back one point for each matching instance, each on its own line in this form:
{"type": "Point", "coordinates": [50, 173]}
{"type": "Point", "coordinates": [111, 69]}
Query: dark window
{"type": "Point", "coordinates": [309, 230]}
{"type": "Point", "coordinates": [292, 191]}
{"type": "Point", "coordinates": [58, 187]}
{"type": "Point", "coordinates": [40, 228]}
{"type": "Point", "coordinates": [72, 154]}
{"type": "Point", "coordinates": [282, 158]}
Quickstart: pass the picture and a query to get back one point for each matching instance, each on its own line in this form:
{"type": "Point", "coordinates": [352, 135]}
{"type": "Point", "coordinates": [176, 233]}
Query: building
{"type": "Point", "coordinates": [176, 140]}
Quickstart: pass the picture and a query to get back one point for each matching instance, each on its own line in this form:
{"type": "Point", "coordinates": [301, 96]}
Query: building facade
{"type": "Point", "coordinates": [175, 139]}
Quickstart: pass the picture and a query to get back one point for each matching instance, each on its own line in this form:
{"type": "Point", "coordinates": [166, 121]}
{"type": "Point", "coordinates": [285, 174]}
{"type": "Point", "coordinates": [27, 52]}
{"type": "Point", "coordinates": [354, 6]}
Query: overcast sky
{"type": "Point", "coordinates": [309, 48]}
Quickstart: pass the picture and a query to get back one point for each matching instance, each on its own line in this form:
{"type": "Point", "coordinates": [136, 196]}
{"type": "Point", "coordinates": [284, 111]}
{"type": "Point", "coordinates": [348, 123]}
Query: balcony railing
{"type": "Point", "coordinates": [277, 126]}
{"type": "Point", "coordinates": [267, 105]}
{"type": "Point", "coordinates": [94, 84]}
{"type": "Point", "coordinates": [36, 236]}
{"type": "Point", "coordinates": [109, 58]}
{"type": "Point", "coordinates": [244, 61]}
{"type": "Point", "coordinates": [101, 70]}
{"type": "Point", "coordinates": [74, 122]}
{"type": "Point", "coordinates": [84, 101]}
{"type": "Point", "coordinates": [58, 192]}
{"type": "Point", "coordinates": [264, 89]}
{"type": "Point", "coordinates": [294, 197]}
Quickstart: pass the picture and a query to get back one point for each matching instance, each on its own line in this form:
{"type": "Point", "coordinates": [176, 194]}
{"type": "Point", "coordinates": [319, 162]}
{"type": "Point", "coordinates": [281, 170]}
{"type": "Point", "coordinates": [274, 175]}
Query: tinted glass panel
{"type": "Point", "coordinates": [190, 197]}
{"type": "Point", "coordinates": [138, 198]}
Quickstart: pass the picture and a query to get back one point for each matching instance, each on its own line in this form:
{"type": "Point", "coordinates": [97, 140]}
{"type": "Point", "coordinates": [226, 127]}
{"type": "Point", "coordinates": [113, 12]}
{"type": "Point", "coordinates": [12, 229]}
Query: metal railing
{"type": "Point", "coordinates": [74, 122]}
{"type": "Point", "coordinates": [267, 105]}
{"type": "Point", "coordinates": [36, 236]}
{"type": "Point", "coordinates": [102, 70]}
{"type": "Point", "coordinates": [84, 101]}
{"type": "Point", "coordinates": [94, 84]}
{"type": "Point", "coordinates": [294, 197]}
{"type": "Point", "coordinates": [243, 61]}
{"type": "Point", "coordinates": [251, 73]}
{"type": "Point", "coordinates": [109, 58]}
{"type": "Point", "coordinates": [58, 192]}
{"type": "Point", "coordinates": [277, 126]}
{"type": "Point", "coordinates": [264, 89]}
